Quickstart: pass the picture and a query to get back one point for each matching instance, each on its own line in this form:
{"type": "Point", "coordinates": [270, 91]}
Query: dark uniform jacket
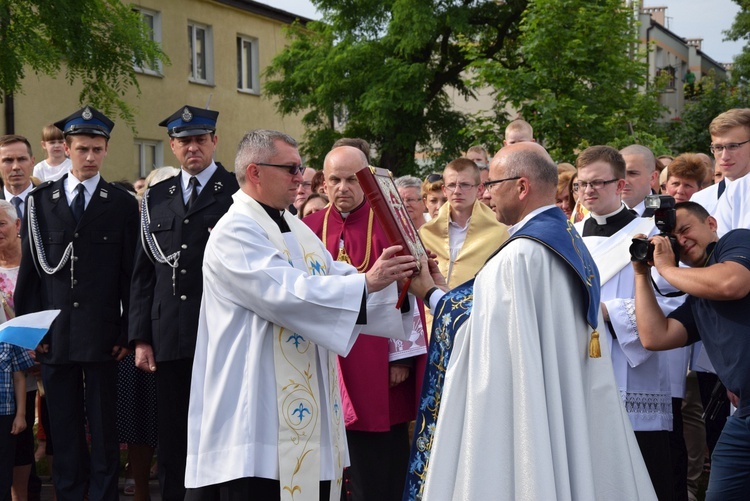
{"type": "Point", "coordinates": [167, 319]}
{"type": "Point", "coordinates": [94, 296]}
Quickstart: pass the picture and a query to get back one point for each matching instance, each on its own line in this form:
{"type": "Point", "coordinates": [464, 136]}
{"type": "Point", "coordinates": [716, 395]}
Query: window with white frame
{"type": "Point", "coordinates": [200, 41]}
{"type": "Point", "coordinates": [149, 155]}
{"type": "Point", "coordinates": [152, 20]}
{"type": "Point", "coordinates": [247, 64]}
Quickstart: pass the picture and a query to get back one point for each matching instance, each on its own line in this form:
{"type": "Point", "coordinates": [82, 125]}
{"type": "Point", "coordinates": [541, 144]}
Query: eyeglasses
{"type": "Point", "coordinates": [412, 200]}
{"type": "Point", "coordinates": [718, 149]}
{"type": "Point", "coordinates": [489, 184]}
{"type": "Point", "coordinates": [434, 178]}
{"type": "Point", "coordinates": [597, 184]}
{"type": "Point", "coordinates": [463, 186]}
{"type": "Point", "coordinates": [293, 169]}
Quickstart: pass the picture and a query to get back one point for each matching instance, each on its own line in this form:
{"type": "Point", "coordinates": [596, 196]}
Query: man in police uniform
{"type": "Point", "coordinates": [177, 217]}
{"type": "Point", "coordinates": [78, 242]}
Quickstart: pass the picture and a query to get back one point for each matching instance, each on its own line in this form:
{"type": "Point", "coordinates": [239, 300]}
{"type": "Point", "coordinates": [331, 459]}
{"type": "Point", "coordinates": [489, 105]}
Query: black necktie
{"type": "Point", "coordinates": [16, 201]}
{"type": "Point", "coordinates": [193, 184]}
{"type": "Point", "coordinates": [79, 203]}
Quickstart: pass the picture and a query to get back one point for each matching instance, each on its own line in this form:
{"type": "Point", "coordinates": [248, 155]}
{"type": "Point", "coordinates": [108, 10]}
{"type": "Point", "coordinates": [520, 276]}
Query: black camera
{"type": "Point", "coordinates": [665, 218]}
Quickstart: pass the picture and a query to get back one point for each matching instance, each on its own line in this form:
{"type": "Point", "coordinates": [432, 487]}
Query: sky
{"type": "Point", "coordinates": [702, 19]}
{"type": "Point", "coordinates": [685, 18]}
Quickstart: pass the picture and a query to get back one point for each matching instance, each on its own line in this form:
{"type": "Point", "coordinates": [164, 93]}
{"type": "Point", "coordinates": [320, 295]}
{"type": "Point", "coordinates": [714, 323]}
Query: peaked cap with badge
{"type": "Point", "coordinates": [88, 120]}
{"type": "Point", "coordinates": [190, 121]}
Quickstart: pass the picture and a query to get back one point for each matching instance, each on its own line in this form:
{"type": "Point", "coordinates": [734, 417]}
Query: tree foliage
{"type": "Point", "coordinates": [740, 30]}
{"type": "Point", "coordinates": [580, 80]}
{"type": "Point", "coordinates": [96, 42]}
{"type": "Point", "coordinates": [713, 95]}
{"type": "Point", "coordinates": [382, 70]}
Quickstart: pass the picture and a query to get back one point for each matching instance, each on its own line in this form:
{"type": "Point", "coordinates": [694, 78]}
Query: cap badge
{"type": "Point", "coordinates": [186, 115]}
{"type": "Point", "coordinates": [87, 115]}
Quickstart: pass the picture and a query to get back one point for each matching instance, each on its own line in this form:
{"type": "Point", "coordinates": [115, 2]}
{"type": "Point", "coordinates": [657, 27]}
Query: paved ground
{"type": "Point", "coordinates": [47, 491]}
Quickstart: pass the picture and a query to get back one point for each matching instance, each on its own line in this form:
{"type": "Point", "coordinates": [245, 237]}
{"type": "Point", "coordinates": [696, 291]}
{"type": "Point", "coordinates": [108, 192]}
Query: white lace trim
{"type": "Point", "coordinates": [649, 406]}
{"type": "Point", "coordinates": [629, 305]}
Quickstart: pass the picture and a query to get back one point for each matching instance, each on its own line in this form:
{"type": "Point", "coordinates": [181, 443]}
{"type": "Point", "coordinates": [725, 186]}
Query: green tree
{"type": "Point", "coordinates": [580, 79]}
{"type": "Point", "coordinates": [740, 30]}
{"type": "Point", "coordinates": [713, 95]}
{"type": "Point", "coordinates": [382, 70]}
{"type": "Point", "coordinates": [96, 42]}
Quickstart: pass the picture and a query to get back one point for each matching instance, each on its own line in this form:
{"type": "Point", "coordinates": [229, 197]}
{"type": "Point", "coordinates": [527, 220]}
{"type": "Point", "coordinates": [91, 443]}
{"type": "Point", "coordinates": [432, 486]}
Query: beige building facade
{"type": "Point", "coordinates": [680, 59]}
{"type": "Point", "coordinates": [218, 50]}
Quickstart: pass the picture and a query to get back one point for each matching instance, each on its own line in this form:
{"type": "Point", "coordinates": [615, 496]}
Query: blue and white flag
{"type": "Point", "coordinates": [27, 330]}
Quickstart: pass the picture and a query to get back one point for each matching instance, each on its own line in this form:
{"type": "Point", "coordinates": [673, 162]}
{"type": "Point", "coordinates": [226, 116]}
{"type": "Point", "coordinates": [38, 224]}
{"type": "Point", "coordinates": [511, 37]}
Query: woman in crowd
{"type": "Point", "coordinates": [10, 260]}
{"type": "Point", "coordinates": [432, 194]}
{"type": "Point", "coordinates": [313, 204]}
{"type": "Point", "coordinates": [564, 198]}
{"type": "Point", "coordinates": [685, 175]}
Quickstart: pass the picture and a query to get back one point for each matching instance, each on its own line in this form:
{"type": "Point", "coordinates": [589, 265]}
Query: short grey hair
{"type": "Point", "coordinates": [9, 209]}
{"type": "Point", "coordinates": [258, 146]}
{"type": "Point", "coordinates": [536, 165]}
{"type": "Point", "coordinates": [408, 182]}
{"type": "Point", "coordinates": [638, 149]}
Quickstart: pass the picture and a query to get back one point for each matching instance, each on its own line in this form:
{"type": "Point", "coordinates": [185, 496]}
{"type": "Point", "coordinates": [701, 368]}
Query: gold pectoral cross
{"type": "Point", "coordinates": [343, 256]}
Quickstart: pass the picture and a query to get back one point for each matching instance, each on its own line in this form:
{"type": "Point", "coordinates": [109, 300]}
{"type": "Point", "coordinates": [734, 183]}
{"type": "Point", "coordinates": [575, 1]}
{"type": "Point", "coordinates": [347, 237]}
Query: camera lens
{"type": "Point", "coordinates": [639, 249]}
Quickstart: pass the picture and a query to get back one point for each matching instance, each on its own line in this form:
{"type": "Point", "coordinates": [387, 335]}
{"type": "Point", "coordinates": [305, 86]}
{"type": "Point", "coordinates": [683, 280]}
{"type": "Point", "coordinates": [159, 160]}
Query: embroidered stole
{"type": "Point", "coordinates": [452, 311]}
{"type": "Point", "coordinates": [485, 234]}
{"type": "Point", "coordinates": [297, 384]}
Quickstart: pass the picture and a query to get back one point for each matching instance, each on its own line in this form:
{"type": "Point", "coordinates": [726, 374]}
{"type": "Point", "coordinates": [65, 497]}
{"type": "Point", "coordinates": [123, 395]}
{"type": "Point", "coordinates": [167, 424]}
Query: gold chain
{"type": "Point", "coordinates": [343, 255]}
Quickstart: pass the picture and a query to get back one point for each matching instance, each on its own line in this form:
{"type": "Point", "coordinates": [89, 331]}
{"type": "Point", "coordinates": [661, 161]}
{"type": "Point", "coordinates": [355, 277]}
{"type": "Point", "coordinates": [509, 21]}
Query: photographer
{"type": "Point", "coordinates": [718, 284]}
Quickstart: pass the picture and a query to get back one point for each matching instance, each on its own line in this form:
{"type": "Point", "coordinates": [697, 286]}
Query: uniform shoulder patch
{"type": "Point", "coordinates": [41, 186]}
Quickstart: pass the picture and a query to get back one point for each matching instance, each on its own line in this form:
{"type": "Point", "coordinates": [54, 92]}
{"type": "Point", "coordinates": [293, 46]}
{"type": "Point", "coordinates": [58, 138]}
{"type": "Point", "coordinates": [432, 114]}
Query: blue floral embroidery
{"type": "Point", "coordinates": [452, 311]}
{"type": "Point", "coordinates": [301, 411]}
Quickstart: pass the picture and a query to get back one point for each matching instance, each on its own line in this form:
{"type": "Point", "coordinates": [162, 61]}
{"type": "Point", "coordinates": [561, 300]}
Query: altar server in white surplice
{"type": "Point", "coordinates": [265, 413]}
{"type": "Point", "coordinates": [529, 409]}
{"type": "Point", "coordinates": [730, 145]}
{"type": "Point", "coordinates": [642, 376]}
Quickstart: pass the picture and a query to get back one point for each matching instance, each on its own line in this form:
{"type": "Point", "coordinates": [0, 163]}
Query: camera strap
{"type": "Point", "coordinates": [668, 294]}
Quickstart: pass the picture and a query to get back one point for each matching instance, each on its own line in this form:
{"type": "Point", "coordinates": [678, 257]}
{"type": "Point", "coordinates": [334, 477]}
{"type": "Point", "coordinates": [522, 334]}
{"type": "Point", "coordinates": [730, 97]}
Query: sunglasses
{"type": "Point", "coordinates": [293, 169]}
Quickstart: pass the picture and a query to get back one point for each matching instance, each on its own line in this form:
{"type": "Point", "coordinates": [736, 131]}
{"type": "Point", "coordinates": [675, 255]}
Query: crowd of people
{"type": "Point", "coordinates": [241, 321]}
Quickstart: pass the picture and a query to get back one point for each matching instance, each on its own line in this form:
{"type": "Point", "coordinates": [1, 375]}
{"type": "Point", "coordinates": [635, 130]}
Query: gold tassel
{"type": "Point", "coordinates": [595, 350]}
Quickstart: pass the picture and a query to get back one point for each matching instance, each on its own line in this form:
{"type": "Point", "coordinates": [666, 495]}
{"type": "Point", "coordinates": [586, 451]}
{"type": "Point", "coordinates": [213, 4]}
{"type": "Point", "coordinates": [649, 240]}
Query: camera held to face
{"type": "Point", "coordinates": [665, 218]}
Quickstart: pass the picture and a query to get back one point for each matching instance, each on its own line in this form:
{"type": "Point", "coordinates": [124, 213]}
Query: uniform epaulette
{"type": "Point", "coordinates": [41, 186]}
{"type": "Point", "coordinates": [117, 185]}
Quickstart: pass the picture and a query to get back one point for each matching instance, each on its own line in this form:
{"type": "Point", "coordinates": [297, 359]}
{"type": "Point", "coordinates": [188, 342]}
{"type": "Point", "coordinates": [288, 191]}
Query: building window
{"type": "Point", "coordinates": [669, 75]}
{"type": "Point", "coordinates": [149, 155]}
{"type": "Point", "coordinates": [200, 40]}
{"type": "Point", "coordinates": [247, 64]}
{"type": "Point", "coordinates": [152, 20]}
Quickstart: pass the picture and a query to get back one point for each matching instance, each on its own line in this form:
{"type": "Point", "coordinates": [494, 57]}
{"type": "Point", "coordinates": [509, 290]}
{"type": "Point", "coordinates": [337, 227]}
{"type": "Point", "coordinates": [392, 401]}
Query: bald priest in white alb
{"type": "Point", "coordinates": [265, 414]}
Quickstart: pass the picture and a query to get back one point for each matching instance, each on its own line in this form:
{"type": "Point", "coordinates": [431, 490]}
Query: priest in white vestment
{"type": "Point", "coordinates": [265, 406]}
{"type": "Point", "coordinates": [529, 409]}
